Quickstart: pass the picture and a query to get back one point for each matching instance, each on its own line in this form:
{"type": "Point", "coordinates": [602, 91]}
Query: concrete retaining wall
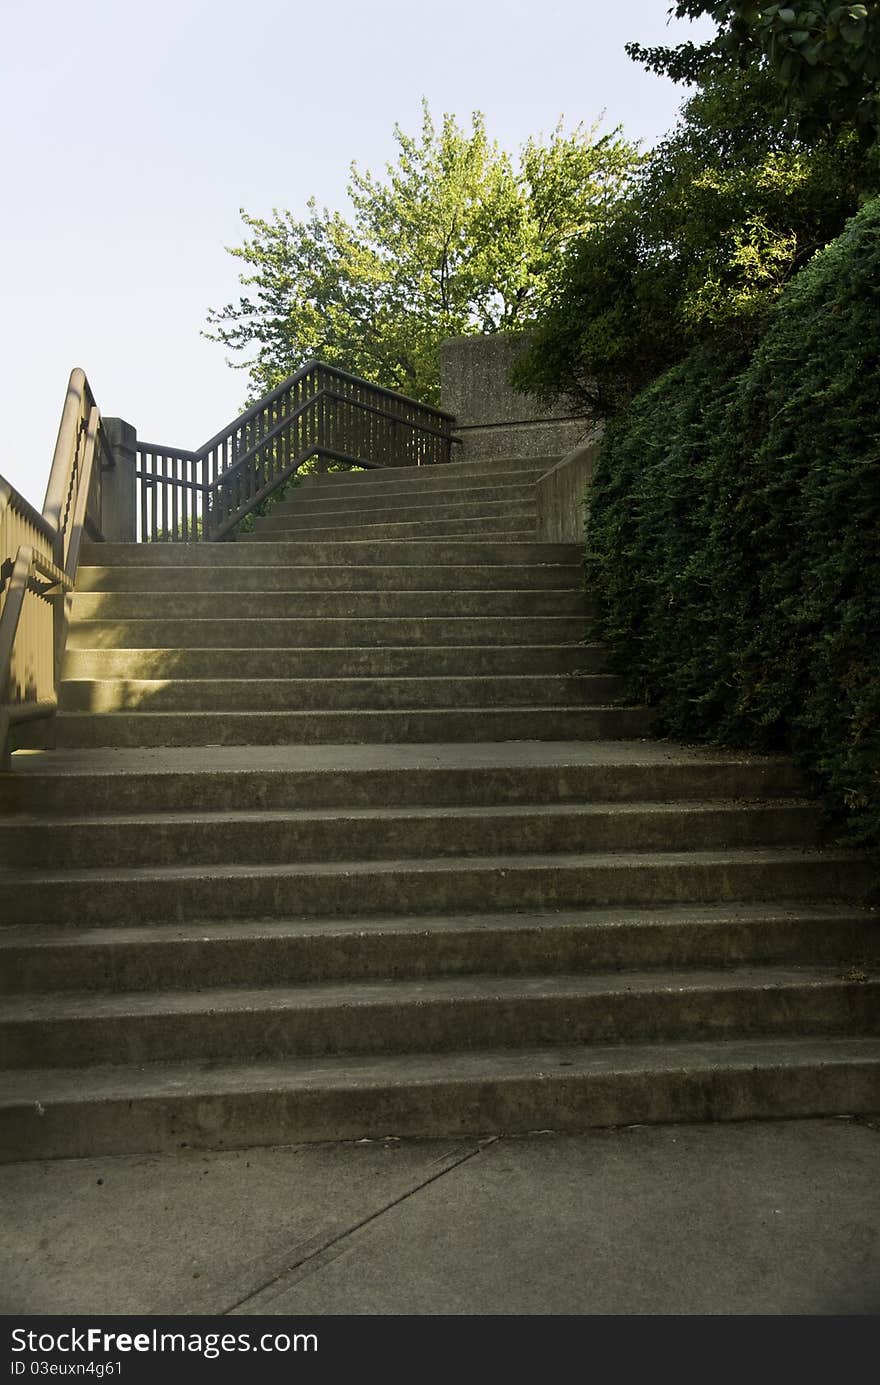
{"type": "Point", "coordinates": [561, 495]}
{"type": "Point", "coordinates": [494, 420]}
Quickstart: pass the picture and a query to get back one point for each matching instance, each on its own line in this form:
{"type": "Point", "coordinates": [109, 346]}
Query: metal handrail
{"type": "Point", "coordinates": [254, 410]}
{"type": "Point", "coordinates": [319, 411]}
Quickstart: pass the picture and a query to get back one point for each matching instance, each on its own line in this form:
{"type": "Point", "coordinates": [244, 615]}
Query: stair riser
{"type": "Point", "coordinates": [391, 500]}
{"type": "Point", "coordinates": [519, 526]}
{"type": "Point", "coordinates": [262, 578]}
{"type": "Point", "coordinates": [437, 1026]}
{"type": "Point", "coordinates": [201, 1120]}
{"type": "Point", "coordinates": [398, 510]}
{"type": "Point", "coordinates": [432, 950]}
{"type": "Point", "coordinates": [443, 473]}
{"type": "Point", "coordinates": [325, 605]}
{"type": "Point", "coordinates": [336, 694]}
{"type": "Point", "coordinates": [241, 842]}
{"type": "Point", "coordinates": [176, 792]}
{"type": "Point", "coordinates": [188, 898]}
{"type": "Point", "coordinates": [375, 662]}
{"type": "Point", "coordinates": [275, 633]}
{"type": "Point", "coordinates": [82, 729]}
{"type": "Point", "coordinates": [285, 554]}
{"type": "Point", "coordinates": [445, 489]}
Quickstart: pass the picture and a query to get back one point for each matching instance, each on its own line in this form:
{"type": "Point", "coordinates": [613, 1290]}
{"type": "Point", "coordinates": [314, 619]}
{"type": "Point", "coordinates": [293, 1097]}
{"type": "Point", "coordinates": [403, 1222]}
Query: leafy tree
{"type": "Point", "coordinates": [823, 56]}
{"type": "Point", "coordinates": [718, 219]}
{"type": "Point", "coordinates": [456, 237]}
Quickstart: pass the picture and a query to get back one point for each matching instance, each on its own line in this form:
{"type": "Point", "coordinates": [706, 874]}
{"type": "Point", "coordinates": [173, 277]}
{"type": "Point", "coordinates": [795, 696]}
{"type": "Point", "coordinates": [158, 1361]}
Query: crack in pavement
{"type": "Point", "coordinates": [318, 1257]}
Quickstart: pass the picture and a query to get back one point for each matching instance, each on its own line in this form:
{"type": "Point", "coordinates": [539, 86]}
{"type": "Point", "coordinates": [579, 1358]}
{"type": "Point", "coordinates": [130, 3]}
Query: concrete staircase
{"type": "Point", "coordinates": [350, 833]}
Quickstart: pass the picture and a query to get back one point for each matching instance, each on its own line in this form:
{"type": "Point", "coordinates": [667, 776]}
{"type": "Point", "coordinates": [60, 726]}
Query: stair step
{"type": "Point", "coordinates": [310, 500]}
{"type": "Point", "coordinates": [335, 694]}
{"type": "Point", "coordinates": [411, 510]}
{"type": "Point", "coordinates": [292, 553]}
{"type": "Point", "coordinates": [432, 1016]}
{"type": "Point", "coordinates": [367, 833]}
{"type": "Point", "coordinates": [374, 662]}
{"type": "Point", "coordinates": [333, 631]}
{"type": "Point", "coordinates": [351, 605]}
{"type": "Point", "coordinates": [69, 1113]}
{"type": "Point", "coordinates": [404, 483]}
{"type": "Point", "coordinates": [207, 953]}
{"type": "Point", "coordinates": [445, 472]}
{"type": "Point", "coordinates": [259, 577]}
{"type": "Point", "coordinates": [434, 885]}
{"type": "Point", "coordinates": [220, 778]}
{"type": "Point", "coordinates": [516, 526]}
{"type": "Point", "coordinates": [552, 723]}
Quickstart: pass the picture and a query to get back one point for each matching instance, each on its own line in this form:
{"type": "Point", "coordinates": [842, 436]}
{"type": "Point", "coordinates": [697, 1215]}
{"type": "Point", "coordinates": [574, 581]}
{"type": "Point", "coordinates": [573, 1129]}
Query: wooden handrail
{"type": "Point", "coordinates": [318, 412]}
{"type": "Point", "coordinates": [33, 617]}
{"type": "Point", "coordinates": [12, 499]}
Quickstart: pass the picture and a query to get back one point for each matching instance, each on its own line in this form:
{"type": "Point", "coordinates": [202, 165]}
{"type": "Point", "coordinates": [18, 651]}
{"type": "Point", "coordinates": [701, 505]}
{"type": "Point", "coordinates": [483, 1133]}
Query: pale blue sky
{"type": "Point", "coordinates": [133, 132]}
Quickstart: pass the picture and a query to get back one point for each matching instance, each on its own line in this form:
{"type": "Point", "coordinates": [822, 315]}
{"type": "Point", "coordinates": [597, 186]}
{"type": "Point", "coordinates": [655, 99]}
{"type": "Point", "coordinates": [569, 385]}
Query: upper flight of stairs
{"type": "Point", "coordinates": [350, 833]}
{"type": "Point", "coordinates": [350, 633]}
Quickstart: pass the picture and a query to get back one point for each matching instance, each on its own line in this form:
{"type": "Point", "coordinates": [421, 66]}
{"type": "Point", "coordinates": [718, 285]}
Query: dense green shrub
{"type": "Point", "coordinates": [735, 534]}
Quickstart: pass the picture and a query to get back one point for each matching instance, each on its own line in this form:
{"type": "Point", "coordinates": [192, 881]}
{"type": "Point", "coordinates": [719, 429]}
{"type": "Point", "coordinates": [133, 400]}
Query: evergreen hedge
{"type": "Point", "coordinates": [734, 537]}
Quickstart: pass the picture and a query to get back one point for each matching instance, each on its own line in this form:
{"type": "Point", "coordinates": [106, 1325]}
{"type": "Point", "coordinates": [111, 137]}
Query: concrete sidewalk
{"type": "Point", "coordinates": [763, 1217]}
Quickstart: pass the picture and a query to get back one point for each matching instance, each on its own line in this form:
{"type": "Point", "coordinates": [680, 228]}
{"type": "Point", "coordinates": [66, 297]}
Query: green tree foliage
{"type": "Point", "coordinates": [717, 221]}
{"type": "Point", "coordinates": [734, 534]}
{"type": "Point", "coordinates": [456, 237]}
{"type": "Point", "coordinates": [823, 57]}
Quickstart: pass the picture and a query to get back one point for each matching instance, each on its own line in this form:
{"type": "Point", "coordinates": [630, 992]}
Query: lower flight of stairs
{"type": "Point", "coordinates": [350, 833]}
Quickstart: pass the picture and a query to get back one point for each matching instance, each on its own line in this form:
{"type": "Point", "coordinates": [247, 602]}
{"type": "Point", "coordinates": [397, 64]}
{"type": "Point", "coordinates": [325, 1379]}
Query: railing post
{"type": "Point", "coordinates": [119, 483]}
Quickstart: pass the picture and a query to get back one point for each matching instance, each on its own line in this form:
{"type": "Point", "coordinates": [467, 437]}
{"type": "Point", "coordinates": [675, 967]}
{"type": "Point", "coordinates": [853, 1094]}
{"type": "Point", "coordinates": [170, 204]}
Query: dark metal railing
{"type": "Point", "coordinates": [320, 412]}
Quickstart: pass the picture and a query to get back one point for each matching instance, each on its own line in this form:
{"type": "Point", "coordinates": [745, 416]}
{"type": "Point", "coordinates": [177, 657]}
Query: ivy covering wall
{"type": "Point", "coordinates": [734, 537]}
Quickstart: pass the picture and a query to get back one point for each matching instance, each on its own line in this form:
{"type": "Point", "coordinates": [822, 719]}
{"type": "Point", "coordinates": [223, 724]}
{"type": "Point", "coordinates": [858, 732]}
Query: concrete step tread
{"type": "Point", "coordinates": [352, 534]}
{"type": "Point", "coordinates": [506, 517]}
{"type": "Point", "coordinates": [492, 551]}
{"type": "Point", "coordinates": [512, 813]}
{"type": "Point", "coordinates": [438, 530]}
{"type": "Point", "coordinates": [412, 680]}
{"type": "Point", "coordinates": [72, 937]}
{"type": "Point", "coordinates": [336, 693]}
{"type": "Point", "coordinates": [324, 712]}
{"type": "Point", "coordinates": [517, 572]}
{"type": "Point", "coordinates": [477, 755]}
{"type": "Point", "coordinates": [435, 990]}
{"type": "Point", "coordinates": [520, 500]}
{"type": "Point", "coordinates": [479, 470]}
{"type": "Point", "coordinates": [326, 663]}
{"type": "Point", "coordinates": [294, 521]}
{"type": "Point", "coordinates": [79, 1087]}
{"type": "Point", "coordinates": [438, 865]}
{"type": "Point", "coordinates": [439, 595]}
{"type": "Point", "coordinates": [233, 653]}
{"type": "Point", "coordinates": [380, 474]}
{"type": "Point", "coordinates": [87, 626]}
{"type": "Point", "coordinates": [349, 605]}
{"type": "Point", "coordinates": [316, 499]}
{"type": "Point", "coordinates": [512, 516]}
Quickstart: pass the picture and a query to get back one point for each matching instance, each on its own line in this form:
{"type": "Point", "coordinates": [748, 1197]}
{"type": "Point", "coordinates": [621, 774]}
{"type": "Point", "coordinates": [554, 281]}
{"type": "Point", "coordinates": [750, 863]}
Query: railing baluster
{"type": "Point", "coordinates": [319, 412]}
{"type": "Point", "coordinates": [175, 521]}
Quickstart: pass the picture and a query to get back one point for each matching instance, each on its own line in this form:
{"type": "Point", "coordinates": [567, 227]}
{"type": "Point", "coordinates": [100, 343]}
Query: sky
{"type": "Point", "coordinates": [133, 133]}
